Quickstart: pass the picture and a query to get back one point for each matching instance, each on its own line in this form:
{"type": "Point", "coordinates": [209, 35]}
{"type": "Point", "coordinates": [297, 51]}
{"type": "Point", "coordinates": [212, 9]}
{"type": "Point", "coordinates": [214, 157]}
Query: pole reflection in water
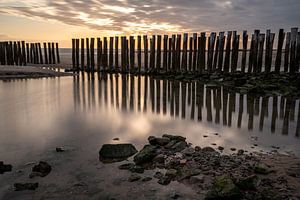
{"type": "Point", "coordinates": [185, 101]}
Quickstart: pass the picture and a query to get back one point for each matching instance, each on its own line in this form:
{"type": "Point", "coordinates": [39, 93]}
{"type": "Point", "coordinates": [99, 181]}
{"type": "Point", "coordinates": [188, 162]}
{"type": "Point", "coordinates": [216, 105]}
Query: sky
{"type": "Point", "coordinates": [61, 20]}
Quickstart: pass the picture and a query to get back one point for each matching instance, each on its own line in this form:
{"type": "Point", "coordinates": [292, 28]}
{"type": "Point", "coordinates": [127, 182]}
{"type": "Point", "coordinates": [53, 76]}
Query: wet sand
{"type": "Point", "coordinates": [12, 72]}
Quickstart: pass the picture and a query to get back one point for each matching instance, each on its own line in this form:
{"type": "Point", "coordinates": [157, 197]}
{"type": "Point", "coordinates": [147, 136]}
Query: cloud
{"type": "Point", "coordinates": [154, 16]}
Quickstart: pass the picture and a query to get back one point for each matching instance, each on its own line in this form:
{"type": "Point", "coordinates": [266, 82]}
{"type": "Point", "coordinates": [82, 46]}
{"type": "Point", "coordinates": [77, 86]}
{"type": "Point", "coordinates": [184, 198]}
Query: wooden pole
{"type": "Point", "coordinates": [139, 49]}
{"type": "Point", "coordinates": [99, 50]}
{"type": "Point", "coordinates": [117, 53]}
{"type": "Point", "coordinates": [235, 51]}
{"type": "Point", "coordinates": [77, 54]}
{"type": "Point", "coordinates": [145, 52]}
{"type": "Point", "coordinates": [111, 52]}
{"type": "Point", "coordinates": [190, 68]}
{"type": "Point", "coordinates": [31, 52]}
{"type": "Point", "coordinates": [244, 55]}
{"type": "Point", "coordinates": [152, 53]}
{"type": "Point", "coordinates": [178, 53]}
{"type": "Point", "coordinates": [195, 52]}
{"type": "Point", "coordinates": [202, 52]}
{"type": "Point", "coordinates": [165, 53]}
{"type": "Point", "coordinates": [272, 37]}
{"type": "Point", "coordinates": [184, 52]}
{"type": "Point", "coordinates": [255, 49]}
{"type": "Point", "coordinates": [92, 53]}
{"type": "Point", "coordinates": [19, 54]}
{"type": "Point", "coordinates": [127, 54]}
{"type": "Point", "coordinates": [298, 54]}
{"type": "Point", "coordinates": [294, 33]}
{"type": "Point", "coordinates": [267, 54]}
{"type": "Point", "coordinates": [40, 51]}
{"type": "Point", "coordinates": [250, 62]}
{"type": "Point", "coordinates": [281, 36]}
{"type": "Point", "coordinates": [211, 51]}
{"type": "Point", "coordinates": [170, 54]}
{"type": "Point", "coordinates": [82, 54]}
{"type": "Point", "coordinates": [227, 53]}
{"type": "Point", "coordinates": [27, 52]}
{"type": "Point", "coordinates": [216, 53]}
{"type": "Point", "coordinates": [122, 54]}
{"type": "Point", "coordinates": [53, 52]}
{"type": "Point", "coordinates": [287, 52]}
{"type": "Point", "coordinates": [50, 54]}
{"type": "Point", "coordinates": [24, 53]}
{"type": "Point", "coordinates": [88, 60]}
{"type": "Point", "coordinates": [46, 56]}
{"type": "Point", "coordinates": [131, 40]}
{"type": "Point", "coordinates": [260, 51]}
{"type": "Point", "coordinates": [221, 50]}
{"type": "Point", "coordinates": [73, 53]}
{"type": "Point", "coordinates": [11, 61]}
{"type": "Point", "coordinates": [57, 53]}
{"type": "Point", "coordinates": [158, 56]}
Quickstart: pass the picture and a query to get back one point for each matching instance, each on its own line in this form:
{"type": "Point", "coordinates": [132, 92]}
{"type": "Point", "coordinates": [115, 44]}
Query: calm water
{"type": "Point", "coordinates": [86, 111]}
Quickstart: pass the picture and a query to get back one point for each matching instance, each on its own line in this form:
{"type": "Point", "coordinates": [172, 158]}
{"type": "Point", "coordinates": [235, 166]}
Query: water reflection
{"type": "Point", "coordinates": [192, 101]}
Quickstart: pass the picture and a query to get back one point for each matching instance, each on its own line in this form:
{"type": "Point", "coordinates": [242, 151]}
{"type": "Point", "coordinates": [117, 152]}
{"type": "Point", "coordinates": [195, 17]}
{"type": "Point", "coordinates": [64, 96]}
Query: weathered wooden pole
{"type": "Point", "coordinates": [195, 52]}
{"type": "Point", "coordinates": [88, 58]}
{"type": "Point", "coordinates": [158, 56]}
{"type": "Point", "coordinates": [82, 54]}
{"type": "Point", "coordinates": [260, 51]}
{"type": "Point", "coordinates": [190, 67]}
{"type": "Point", "coordinates": [139, 52]}
{"type": "Point", "coordinates": [27, 52]}
{"type": "Point", "coordinates": [235, 51]}
{"type": "Point", "coordinates": [105, 52]}
{"type": "Point", "coordinates": [202, 52]}
{"type": "Point", "coordinates": [298, 53]}
{"type": "Point", "coordinates": [46, 55]}
{"type": "Point", "coordinates": [170, 54]}
{"type": "Point", "coordinates": [19, 53]}
{"type": "Point", "coordinates": [294, 33]}
{"type": "Point", "coordinates": [92, 54]}
{"type": "Point", "coordinates": [221, 51]}
{"type": "Point", "coordinates": [31, 52]}
{"type": "Point", "coordinates": [57, 53]}
{"type": "Point", "coordinates": [267, 54]}
{"type": "Point", "coordinates": [281, 36]}
{"type": "Point", "coordinates": [53, 52]}
{"type": "Point", "coordinates": [127, 54]}
{"type": "Point", "coordinates": [122, 54]}
{"type": "Point", "coordinates": [178, 53]}
{"type": "Point", "coordinates": [272, 37]}
{"type": "Point", "coordinates": [73, 53]}
{"type": "Point", "coordinates": [76, 53]}
{"type": "Point", "coordinates": [11, 61]}
{"type": "Point", "coordinates": [99, 50]}
{"type": "Point", "coordinates": [255, 49]}
{"type": "Point", "coordinates": [165, 53]}
{"type": "Point", "coordinates": [212, 40]}
{"type": "Point", "coordinates": [24, 53]}
{"type": "Point", "coordinates": [287, 52]}
{"type": "Point", "coordinates": [250, 62]}
{"type": "Point", "coordinates": [216, 53]}
{"type": "Point", "coordinates": [152, 52]}
{"type": "Point", "coordinates": [145, 52]}
{"type": "Point", "coordinates": [244, 55]}
{"type": "Point", "coordinates": [40, 52]}
{"type": "Point", "coordinates": [228, 51]}
{"type": "Point", "coordinates": [131, 46]}
{"type": "Point", "coordinates": [117, 53]}
{"type": "Point", "coordinates": [184, 52]}
{"type": "Point", "coordinates": [111, 52]}
{"type": "Point", "coordinates": [50, 54]}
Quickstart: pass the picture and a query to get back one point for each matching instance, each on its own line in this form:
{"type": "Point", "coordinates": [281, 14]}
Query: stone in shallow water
{"type": "Point", "coordinates": [174, 137]}
{"type": "Point", "coordinates": [5, 168]}
{"type": "Point", "coordinates": [42, 169]}
{"type": "Point", "coordinates": [25, 186]}
{"type": "Point", "coordinates": [158, 141]}
{"type": "Point", "coordinates": [134, 177]}
{"type": "Point", "coordinates": [146, 179]}
{"type": "Point", "coordinates": [116, 152]}
{"type": "Point", "coordinates": [145, 155]}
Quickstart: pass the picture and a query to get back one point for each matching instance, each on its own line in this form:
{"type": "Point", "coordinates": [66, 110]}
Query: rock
{"type": "Point", "coordinates": [146, 179]}
{"type": "Point", "coordinates": [175, 196]}
{"type": "Point", "coordinates": [248, 183]}
{"type": "Point", "coordinates": [134, 177]}
{"type": "Point", "coordinates": [116, 152]}
{"type": "Point", "coordinates": [5, 168]}
{"type": "Point", "coordinates": [60, 149]}
{"type": "Point", "coordinates": [179, 146]}
{"type": "Point", "coordinates": [240, 152]}
{"type": "Point", "coordinates": [223, 188]}
{"type": "Point", "coordinates": [42, 169]}
{"type": "Point", "coordinates": [25, 186]}
{"type": "Point", "coordinates": [126, 166]}
{"type": "Point", "coordinates": [186, 173]}
{"type": "Point", "coordinates": [197, 148]}
{"type": "Point", "coordinates": [116, 139]}
{"type": "Point", "coordinates": [158, 175]}
{"type": "Point", "coordinates": [145, 155]}
{"type": "Point", "coordinates": [160, 158]}
{"type": "Point", "coordinates": [174, 137]}
{"type": "Point", "coordinates": [188, 151]}
{"type": "Point", "coordinates": [137, 169]}
{"type": "Point", "coordinates": [221, 148]}
{"type": "Point", "coordinates": [205, 136]}
{"type": "Point", "coordinates": [164, 180]}
{"type": "Point", "coordinates": [208, 149]}
{"type": "Point", "coordinates": [261, 169]}
{"type": "Point", "coordinates": [197, 179]}
{"type": "Point", "coordinates": [233, 149]}
{"type": "Point", "coordinates": [158, 141]}
{"type": "Point", "coordinates": [170, 144]}
{"type": "Point", "coordinates": [171, 173]}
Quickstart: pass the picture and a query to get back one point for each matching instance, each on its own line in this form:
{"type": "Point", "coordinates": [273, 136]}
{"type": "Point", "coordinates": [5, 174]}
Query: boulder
{"type": "Point", "coordinates": [208, 149]}
{"type": "Point", "coordinates": [223, 188]}
{"type": "Point", "coordinates": [179, 146]}
{"type": "Point", "coordinates": [160, 158]}
{"type": "Point", "coordinates": [261, 169]}
{"type": "Point", "coordinates": [5, 168]}
{"type": "Point", "coordinates": [174, 137]}
{"type": "Point", "coordinates": [145, 155]}
{"type": "Point", "coordinates": [197, 179]}
{"type": "Point", "coordinates": [158, 141]}
{"type": "Point", "coordinates": [25, 186]}
{"type": "Point", "coordinates": [134, 177]}
{"type": "Point", "coordinates": [116, 152]}
{"type": "Point", "coordinates": [248, 183]}
{"type": "Point", "coordinates": [42, 169]}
